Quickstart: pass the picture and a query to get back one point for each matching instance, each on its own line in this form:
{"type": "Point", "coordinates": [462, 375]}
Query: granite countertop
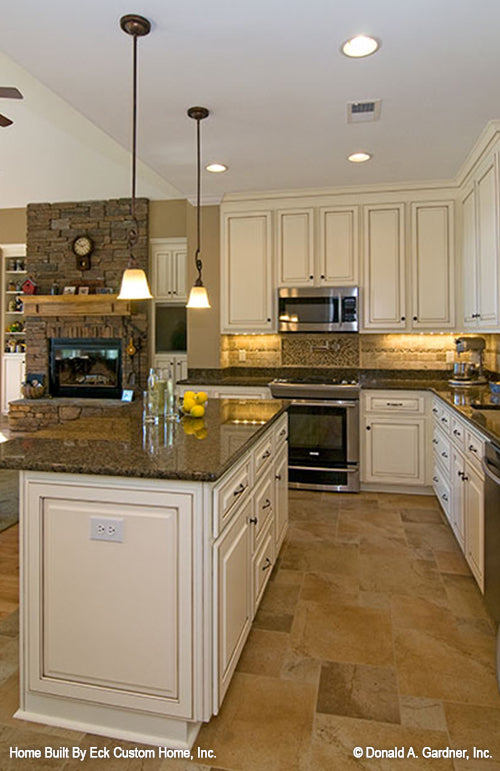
{"type": "Point", "coordinates": [486, 421]}
{"type": "Point", "coordinates": [117, 444]}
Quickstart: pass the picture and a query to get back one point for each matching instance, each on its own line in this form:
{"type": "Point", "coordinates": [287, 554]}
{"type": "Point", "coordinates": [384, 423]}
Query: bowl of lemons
{"type": "Point", "coordinates": [194, 404]}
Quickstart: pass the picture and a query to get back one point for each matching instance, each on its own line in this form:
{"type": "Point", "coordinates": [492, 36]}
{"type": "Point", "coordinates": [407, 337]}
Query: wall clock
{"type": "Point", "coordinates": [83, 246]}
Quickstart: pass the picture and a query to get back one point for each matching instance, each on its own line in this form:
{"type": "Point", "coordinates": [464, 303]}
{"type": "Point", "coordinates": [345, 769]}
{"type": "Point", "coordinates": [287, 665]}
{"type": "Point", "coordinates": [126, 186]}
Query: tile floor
{"type": "Point", "coordinates": [372, 632]}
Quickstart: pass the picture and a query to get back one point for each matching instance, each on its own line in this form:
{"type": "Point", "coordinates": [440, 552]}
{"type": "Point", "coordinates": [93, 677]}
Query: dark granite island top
{"type": "Point", "coordinates": [117, 443]}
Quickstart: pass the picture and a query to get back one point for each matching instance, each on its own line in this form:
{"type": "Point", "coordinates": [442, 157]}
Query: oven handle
{"type": "Point", "coordinates": [350, 470]}
{"type": "Point", "coordinates": [326, 403]}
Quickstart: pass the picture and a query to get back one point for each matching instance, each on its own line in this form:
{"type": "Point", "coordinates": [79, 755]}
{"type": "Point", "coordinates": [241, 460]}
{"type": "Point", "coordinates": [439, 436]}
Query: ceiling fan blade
{"type": "Point", "coordinates": [10, 92]}
{"type": "Point", "coordinates": [4, 121]}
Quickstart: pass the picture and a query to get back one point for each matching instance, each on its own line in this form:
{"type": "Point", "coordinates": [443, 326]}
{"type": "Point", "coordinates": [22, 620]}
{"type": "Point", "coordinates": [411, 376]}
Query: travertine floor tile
{"type": "Point", "coordinates": [264, 653]}
{"type": "Point", "coordinates": [330, 587]}
{"type": "Point", "coordinates": [420, 613]}
{"type": "Point", "coordinates": [464, 596]}
{"type": "Point", "coordinates": [397, 574]}
{"type": "Point", "coordinates": [321, 557]}
{"type": "Point", "coordinates": [472, 726]}
{"type": "Point", "coordinates": [429, 535]}
{"type": "Point", "coordinates": [418, 712]}
{"type": "Point", "coordinates": [451, 562]}
{"type": "Point", "coordinates": [360, 691]}
{"type": "Point", "coordinates": [420, 515]}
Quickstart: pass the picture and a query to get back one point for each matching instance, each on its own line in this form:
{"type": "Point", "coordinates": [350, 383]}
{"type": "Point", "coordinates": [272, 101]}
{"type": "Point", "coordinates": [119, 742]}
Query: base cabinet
{"type": "Point", "coordinates": [459, 483]}
{"type": "Point", "coordinates": [13, 375]}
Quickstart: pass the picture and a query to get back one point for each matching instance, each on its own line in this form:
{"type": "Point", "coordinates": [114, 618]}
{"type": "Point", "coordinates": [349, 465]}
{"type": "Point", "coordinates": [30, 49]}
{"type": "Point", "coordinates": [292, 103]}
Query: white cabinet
{"type": "Point", "coordinates": [175, 362]}
{"type": "Point", "coordinates": [247, 272]}
{"type": "Point", "coordinates": [394, 438]}
{"type": "Point", "coordinates": [281, 495]}
{"type": "Point", "coordinates": [433, 266]}
{"type": "Point", "coordinates": [317, 247]}
{"type": "Point", "coordinates": [229, 392]}
{"type": "Point", "coordinates": [234, 593]}
{"type": "Point", "coordinates": [13, 375]}
{"type": "Point", "coordinates": [384, 267]}
{"type": "Point", "coordinates": [459, 483]}
{"type": "Point", "coordinates": [168, 269]}
{"type": "Point", "coordinates": [481, 278]}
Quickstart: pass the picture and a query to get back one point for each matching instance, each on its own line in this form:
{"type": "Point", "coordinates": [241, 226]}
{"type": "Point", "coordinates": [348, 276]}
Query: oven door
{"type": "Point", "coordinates": [324, 444]}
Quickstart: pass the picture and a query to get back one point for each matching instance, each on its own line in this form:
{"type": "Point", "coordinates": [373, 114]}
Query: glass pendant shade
{"type": "Point", "coordinates": [134, 285]}
{"type": "Point", "coordinates": [198, 298]}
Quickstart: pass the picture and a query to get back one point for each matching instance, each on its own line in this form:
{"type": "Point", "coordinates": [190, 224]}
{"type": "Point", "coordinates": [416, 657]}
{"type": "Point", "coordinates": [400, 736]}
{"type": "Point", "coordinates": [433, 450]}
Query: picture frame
{"type": "Point", "coordinates": [69, 290]}
{"type": "Point", "coordinates": [34, 379]}
{"type": "Point", "coordinates": [83, 290]}
{"type": "Point", "coordinates": [104, 290]}
{"type": "Point", "coordinates": [127, 395]}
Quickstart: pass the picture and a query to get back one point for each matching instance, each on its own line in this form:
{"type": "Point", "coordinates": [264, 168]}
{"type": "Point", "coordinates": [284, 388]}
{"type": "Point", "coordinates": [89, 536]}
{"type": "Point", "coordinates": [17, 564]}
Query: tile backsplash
{"type": "Point", "coordinates": [388, 351]}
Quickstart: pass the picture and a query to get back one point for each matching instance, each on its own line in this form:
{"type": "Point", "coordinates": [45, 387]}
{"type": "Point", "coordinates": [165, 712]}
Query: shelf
{"type": "Point", "coordinates": [14, 291]}
{"type": "Point", "coordinates": [18, 272]}
{"type": "Point", "coordinates": [15, 333]}
{"type": "Point", "coordinates": [14, 313]}
{"type": "Point", "coordinates": [75, 305]}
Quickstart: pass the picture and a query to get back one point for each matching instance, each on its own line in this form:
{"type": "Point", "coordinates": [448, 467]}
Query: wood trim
{"type": "Point", "coordinates": [75, 305]}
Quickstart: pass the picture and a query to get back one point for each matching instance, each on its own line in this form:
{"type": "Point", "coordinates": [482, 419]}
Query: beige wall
{"type": "Point", "coordinates": [167, 219]}
{"type": "Point", "coordinates": [203, 325]}
{"type": "Point", "coordinates": [12, 226]}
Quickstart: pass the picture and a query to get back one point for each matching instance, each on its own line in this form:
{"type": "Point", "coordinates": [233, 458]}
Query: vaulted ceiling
{"type": "Point", "coordinates": [270, 72]}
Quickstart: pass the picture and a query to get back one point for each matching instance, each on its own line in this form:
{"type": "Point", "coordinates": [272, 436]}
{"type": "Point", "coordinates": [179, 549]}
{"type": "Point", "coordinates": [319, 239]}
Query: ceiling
{"type": "Point", "coordinates": [270, 72]}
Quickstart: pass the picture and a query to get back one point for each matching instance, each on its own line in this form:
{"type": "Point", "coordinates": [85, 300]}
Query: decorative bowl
{"type": "Point", "coordinates": [33, 391]}
{"type": "Point", "coordinates": [494, 386]}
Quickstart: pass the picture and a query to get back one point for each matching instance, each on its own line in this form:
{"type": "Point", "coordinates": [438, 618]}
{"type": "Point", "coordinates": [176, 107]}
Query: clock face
{"type": "Point", "coordinates": [83, 246]}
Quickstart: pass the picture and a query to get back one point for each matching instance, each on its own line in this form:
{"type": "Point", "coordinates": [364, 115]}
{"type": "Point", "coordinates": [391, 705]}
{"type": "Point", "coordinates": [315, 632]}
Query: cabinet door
{"type": "Point", "coordinates": [457, 496]}
{"type": "Point", "coordinates": [168, 264]}
{"type": "Point", "coordinates": [281, 496]}
{"type": "Point", "coordinates": [469, 258]}
{"type": "Point", "coordinates": [13, 376]}
{"type": "Point", "coordinates": [384, 259]}
{"type": "Point", "coordinates": [247, 272]}
{"type": "Point", "coordinates": [181, 368]}
{"type": "Point", "coordinates": [474, 525]}
{"type": "Point", "coordinates": [487, 217]}
{"type": "Point", "coordinates": [433, 256]}
{"type": "Point", "coordinates": [178, 273]}
{"type": "Point", "coordinates": [295, 247]}
{"type": "Point", "coordinates": [395, 450]}
{"type": "Point", "coordinates": [233, 601]}
{"type": "Point", "coordinates": [339, 246]}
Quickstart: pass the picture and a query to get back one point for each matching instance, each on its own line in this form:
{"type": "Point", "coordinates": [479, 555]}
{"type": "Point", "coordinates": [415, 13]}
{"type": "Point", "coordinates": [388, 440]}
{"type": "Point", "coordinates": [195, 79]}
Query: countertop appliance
{"type": "Point", "coordinates": [466, 373]}
{"type": "Point", "coordinates": [318, 309]}
{"type": "Point", "coordinates": [323, 433]}
{"type": "Point", "coordinates": [491, 468]}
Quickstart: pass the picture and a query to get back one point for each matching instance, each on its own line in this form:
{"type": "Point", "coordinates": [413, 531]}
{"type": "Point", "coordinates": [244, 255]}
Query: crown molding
{"type": "Point", "coordinates": [207, 200]}
{"type": "Point", "coordinates": [480, 148]}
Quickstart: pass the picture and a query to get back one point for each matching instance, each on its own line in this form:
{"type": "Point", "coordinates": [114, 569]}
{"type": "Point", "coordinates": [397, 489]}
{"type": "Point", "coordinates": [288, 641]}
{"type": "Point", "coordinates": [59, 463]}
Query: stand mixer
{"type": "Point", "coordinates": [468, 373]}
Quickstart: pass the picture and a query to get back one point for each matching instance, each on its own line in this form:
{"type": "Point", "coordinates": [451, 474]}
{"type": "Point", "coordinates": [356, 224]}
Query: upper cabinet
{"type": "Point", "coordinates": [433, 265]}
{"type": "Point", "coordinates": [247, 262]}
{"type": "Point", "coordinates": [480, 209]}
{"type": "Point", "coordinates": [385, 267]}
{"type": "Point", "coordinates": [317, 246]}
{"type": "Point", "coordinates": [168, 269]}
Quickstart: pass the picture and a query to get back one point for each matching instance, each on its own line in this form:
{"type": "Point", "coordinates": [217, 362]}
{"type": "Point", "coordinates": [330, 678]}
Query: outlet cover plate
{"type": "Point", "coordinates": [107, 529]}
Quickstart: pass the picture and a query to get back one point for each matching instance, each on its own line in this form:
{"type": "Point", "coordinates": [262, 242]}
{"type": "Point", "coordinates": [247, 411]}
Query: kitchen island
{"type": "Point", "coordinates": [145, 552]}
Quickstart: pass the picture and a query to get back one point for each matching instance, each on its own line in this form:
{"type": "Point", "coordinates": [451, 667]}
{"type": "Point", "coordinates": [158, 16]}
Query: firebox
{"type": "Point", "coordinates": [85, 367]}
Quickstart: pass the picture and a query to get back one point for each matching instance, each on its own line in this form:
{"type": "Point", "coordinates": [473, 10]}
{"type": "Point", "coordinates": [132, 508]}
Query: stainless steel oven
{"type": "Point", "coordinates": [318, 309]}
{"type": "Point", "coordinates": [323, 434]}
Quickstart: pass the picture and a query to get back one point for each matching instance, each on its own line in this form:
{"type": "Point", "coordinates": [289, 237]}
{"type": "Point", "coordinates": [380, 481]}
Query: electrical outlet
{"type": "Point", "coordinates": [242, 355]}
{"type": "Point", "coordinates": [450, 357]}
{"type": "Point", "coordinates": [107, 529]}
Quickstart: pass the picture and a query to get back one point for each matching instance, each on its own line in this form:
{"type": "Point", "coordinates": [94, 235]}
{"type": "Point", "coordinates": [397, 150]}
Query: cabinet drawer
{"type": "Point", "coordinates": [263, 507]}
{"type": "Point", "coordinates": [442, 448]}
{"type": "Point", "coordinates": [262, 565]}
{"type": "Point", "coordinates": [458, 432]}
{"type": "Point", "coordinates": [442, 415]}
{"type": "Point", "coordinates": [395, 403]}
{"type": "Point", "coordinates": [281, 432]}
{"type": "Point", "coordinates": [442, 490]}
{"type": "Point", "coordinates": [474, 448]}
{"type": "Point", "coordinates": [233, 489]}
{"type": "Point", "coordinates": [262, 454]}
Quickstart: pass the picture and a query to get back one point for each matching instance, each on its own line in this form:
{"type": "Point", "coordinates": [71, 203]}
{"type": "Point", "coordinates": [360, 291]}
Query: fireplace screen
{"type": "Point", "coordinates": [85, 367]}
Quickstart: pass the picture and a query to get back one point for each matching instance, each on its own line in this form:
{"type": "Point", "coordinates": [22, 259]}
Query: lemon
{"type": "Point", "coordinates": [188, 427]}
{"type": "Point", "coordinates": [188, 404]}
{"type": "Point", "coordinates": [198, 423]}
{"type": "Point", "coordinates": [189, 395]}
{"type": "Point", "coordinates": [197, 411]}
{"type": "Point", "coordinates": [201, 397]}
{"type": "Point", "coordinates": [201, 433]}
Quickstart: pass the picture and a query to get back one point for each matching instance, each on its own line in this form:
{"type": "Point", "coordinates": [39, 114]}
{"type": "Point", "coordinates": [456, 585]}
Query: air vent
{"type": "Point", "coordinates": [363, 112]}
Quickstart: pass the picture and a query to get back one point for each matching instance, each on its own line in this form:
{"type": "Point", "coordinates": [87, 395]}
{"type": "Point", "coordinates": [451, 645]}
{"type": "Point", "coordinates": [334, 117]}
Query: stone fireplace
{"type": "Point", "coordinates": [85, 367]}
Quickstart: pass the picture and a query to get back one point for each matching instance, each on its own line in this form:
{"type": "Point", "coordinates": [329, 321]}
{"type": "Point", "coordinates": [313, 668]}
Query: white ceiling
{"type": "Point", "coordinates": [272, 76]}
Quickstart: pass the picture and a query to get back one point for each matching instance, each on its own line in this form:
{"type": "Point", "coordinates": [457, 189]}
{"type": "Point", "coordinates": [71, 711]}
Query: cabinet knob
{"type": "Point", "coordinates": [403, 318]}
{"type": "Point", "coordinates": [267, 504]}
{"type": "Point", "coordinates": [266, 454]}
{"type": "Point", "coordinates": [368, 428]}
{"type": "Point", "coordinates": [311, 277]}
{"type": "Point", "coordinates": [253, 520]}
{"type": "Point", "coordinates": [269, 319]}
{"type": "Point", "coordinates": [174, 292]}
{"type": "Point", "coordinates": [415, 318]}
{"type": "Point", "coordinates": [278, 477]}
{"type": "Point", "coordinates": [464, 477]}
{"type": "Point", "coordinates": [472, 448]}
{"type": "Point", "coordinates": [240, 489]}
{"type": "Point", "coordinates": [267, 564]}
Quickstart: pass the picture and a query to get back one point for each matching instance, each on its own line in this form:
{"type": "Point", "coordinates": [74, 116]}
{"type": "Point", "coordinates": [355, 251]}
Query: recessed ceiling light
{"type": "Point", "coordinates": [360, 45]}
{"type": "Point", "coordinates": [359, 157]}
{"type": "Point", "coordinates": [216, 168]}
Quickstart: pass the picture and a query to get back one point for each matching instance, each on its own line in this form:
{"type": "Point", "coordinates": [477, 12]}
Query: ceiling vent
{"type": "Point", "coordinates": [363, 112]}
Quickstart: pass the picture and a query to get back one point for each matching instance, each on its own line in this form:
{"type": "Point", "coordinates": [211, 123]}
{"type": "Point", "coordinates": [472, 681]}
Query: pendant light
{"type": "Point", "coordinates": [198, 297]}
{"type": "Point", "coordinates": [134, 284]}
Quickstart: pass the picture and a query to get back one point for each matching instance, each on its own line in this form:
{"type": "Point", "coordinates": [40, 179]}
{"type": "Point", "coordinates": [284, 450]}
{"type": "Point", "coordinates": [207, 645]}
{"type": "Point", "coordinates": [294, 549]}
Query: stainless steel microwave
{"type": "Point", "coordinates": [318, 309]}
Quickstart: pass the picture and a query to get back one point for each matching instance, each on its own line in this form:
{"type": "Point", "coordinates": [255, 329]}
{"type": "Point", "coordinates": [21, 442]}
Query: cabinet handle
{"type": "Point", "coordinates": [394, 404]}
{"type": "Point", "coordinates": [266, 455]}
{"type": "Point", "coordinates": [444, 497]}
{"type": "Point", "coordinates": [283, 432]}
{"type": "Point", "coordinates": [434, 441]}
{"type": "Point", "coordinates": [435, 478]}
{"type": "Point", "coordinates": [267, 564]}
{"type": "Point", "coordinates": [444, 454]}
{"type": "Point", "coordinates": [240, 489]}
{"type": "Point", "coordinates": [435, 410]}
{"type": "Point", "coordinates": [444, 419]}
{"type": "Point", "coordinates": [267, 504]}
{"type": "Point", "coordinates": [460, 474]}
{"type": "Point", "coordinates": [464, 477]}
{"type": "Point", "coordinates": [253, 520]}
{"type": "Point", "coordinates": [278, 477]}
{"type": "Point", "coordinates": [472, 448]}
{"type": "Point", "coordinates": [457, 432]}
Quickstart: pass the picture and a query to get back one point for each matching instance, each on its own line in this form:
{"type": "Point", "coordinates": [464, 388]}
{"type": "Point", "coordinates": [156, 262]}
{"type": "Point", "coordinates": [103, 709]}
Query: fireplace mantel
{"type": "Point", "coordinates": [75, 305]}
